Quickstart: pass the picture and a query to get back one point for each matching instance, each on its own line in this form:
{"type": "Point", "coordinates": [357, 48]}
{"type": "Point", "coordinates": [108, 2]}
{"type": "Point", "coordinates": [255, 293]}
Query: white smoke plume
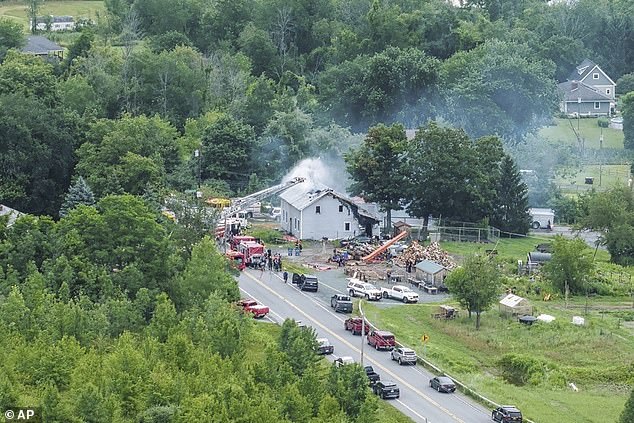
{"type": "Point", "coordinates": [319, 171]}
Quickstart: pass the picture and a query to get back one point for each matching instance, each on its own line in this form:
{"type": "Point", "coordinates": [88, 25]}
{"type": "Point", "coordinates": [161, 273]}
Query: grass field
{"type": "Point", "coordinates": [589, 131]}
{"type": "Point", "coordinates": [77, 9]}
{"type": "Point", "coordinates": [595, 357]}
{"type": "Point", "coordinates": [605, 176]}
{"type": "Point", "coordinates": [509, 249]}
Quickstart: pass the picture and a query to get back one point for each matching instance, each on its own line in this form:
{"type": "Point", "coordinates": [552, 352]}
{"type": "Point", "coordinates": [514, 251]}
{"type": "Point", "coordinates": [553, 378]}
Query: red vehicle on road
{"type": "Point", "coordinates": [237, 259]}
{"type": "Point", "coordinates": [253, 252]}
{"type": "Point", "coordinates": [252, 306]}
{"type": "Point", "coordinates": [381, 339]}
{"type": "Point", "coordinates": [236, 240]}
{"type": "Point", "coordinates": [353, 324]}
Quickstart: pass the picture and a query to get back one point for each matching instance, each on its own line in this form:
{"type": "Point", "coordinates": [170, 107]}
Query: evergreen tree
{"type": "Point", "coordinates": [510, 214]}
{"type": "Point", "coordinates": [627, 416]}
{"type": "Point", "coordinates": [78, 193]}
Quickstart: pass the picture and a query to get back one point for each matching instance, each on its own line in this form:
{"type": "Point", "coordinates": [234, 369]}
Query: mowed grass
{"type": "Point", "coordinates": [605, 176]}
{"type": "Point", "coordinates": [472, 356]}
{"type": "Point", "coordinates": [77, 9]}
{"type": "Point", "coordinates": [509, 250]}
{"type": "Point", "coordinates": [589, 131]}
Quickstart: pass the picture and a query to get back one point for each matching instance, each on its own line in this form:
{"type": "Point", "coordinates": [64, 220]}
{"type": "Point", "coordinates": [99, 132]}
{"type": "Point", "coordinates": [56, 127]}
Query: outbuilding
{"type": "Point", "coordinates": [431, 272]}
{"type": "Point", "coordinates": [515, 305]}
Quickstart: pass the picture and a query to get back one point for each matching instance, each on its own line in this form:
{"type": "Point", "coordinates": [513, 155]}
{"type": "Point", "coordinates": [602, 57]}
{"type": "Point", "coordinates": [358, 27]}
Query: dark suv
{"type": "Point", "coordinates": [386, 389]}
{"type": "Point", "coordinates": [341, 303]}
{"type": "Point", "coordinates": [507, 413]}
{"type": "Point", "coordinates": [305, 282]}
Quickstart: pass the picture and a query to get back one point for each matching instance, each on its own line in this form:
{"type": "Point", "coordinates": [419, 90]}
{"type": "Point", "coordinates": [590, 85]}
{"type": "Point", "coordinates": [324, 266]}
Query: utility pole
{"type": "Point", "coordinates": [362, 329]}
{"type": "Point", "coordinates": [601, 156]}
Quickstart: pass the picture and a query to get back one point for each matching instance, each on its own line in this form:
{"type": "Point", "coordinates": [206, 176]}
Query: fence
{"type": "Point", "coordinates": [465, 234]}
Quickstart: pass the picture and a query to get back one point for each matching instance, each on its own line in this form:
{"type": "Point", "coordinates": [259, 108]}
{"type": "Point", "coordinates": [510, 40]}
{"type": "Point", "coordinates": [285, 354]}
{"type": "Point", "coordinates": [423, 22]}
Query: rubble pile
{"type": "Point", "coordinates": [416, 253]}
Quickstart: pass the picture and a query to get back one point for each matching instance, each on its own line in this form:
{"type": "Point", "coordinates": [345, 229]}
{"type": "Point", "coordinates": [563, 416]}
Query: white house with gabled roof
{"type": "Point", "coordinates": [315, 211]}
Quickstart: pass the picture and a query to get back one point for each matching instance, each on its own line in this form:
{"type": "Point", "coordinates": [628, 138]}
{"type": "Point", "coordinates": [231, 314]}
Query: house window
{"type": "Point", "coordinates": [597, 105]}
{"type": "Point", "coordinates": [346, 226]}
{"type": "Point", "coordinates": [607, 91]}
{"type": "Point", "coordinates": [595, 76]}
{"type": "Point", "coordinates": [318, 209]}
{"type": "Point", "coordinates": [340, 208]}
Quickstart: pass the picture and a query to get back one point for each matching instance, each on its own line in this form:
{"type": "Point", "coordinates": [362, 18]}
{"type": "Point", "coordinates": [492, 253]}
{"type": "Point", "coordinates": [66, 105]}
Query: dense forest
{"type": "Point", "coordinates": [109, 310]}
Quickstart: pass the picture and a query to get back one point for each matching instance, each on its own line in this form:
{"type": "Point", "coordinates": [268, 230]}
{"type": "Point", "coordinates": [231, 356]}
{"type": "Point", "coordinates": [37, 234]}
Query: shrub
{"type": "Point", "coordinates": [521, 369]}
{"type": "Point", "coordinates": [603, 122]}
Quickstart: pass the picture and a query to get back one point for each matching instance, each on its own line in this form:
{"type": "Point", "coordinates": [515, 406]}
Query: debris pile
{"type": "Point", "coordinates": [416, 253]}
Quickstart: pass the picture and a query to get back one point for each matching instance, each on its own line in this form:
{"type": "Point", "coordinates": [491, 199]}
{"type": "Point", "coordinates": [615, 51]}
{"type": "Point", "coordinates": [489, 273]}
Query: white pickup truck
{"type": "Point", "coordinates": [400, 292]}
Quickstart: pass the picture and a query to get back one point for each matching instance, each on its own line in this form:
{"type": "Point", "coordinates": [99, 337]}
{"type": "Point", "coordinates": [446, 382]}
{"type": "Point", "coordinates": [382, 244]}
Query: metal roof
{"type": "Point", "coordinates": [539, 257]}
{"type": "Point", "coordinates": [36, 44]}
{"type": "Point", "coordinates": [512, 300]}
{"type": "Point", "coordinates": [303, 195]}
{"type": "Point", "coordinates": [430, 267]}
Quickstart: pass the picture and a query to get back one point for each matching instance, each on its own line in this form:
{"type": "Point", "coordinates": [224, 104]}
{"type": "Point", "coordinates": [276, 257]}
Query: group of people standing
{"type": "Point", "coordinates": [271, 261]}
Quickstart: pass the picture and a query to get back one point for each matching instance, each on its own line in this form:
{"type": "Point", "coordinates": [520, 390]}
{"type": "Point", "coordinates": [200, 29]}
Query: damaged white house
{"type": "Point", "coordinates": [316, 211]}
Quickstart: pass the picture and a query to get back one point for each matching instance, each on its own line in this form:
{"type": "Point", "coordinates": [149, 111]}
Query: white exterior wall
{"type": "Point", "coordinates": [329, 222]}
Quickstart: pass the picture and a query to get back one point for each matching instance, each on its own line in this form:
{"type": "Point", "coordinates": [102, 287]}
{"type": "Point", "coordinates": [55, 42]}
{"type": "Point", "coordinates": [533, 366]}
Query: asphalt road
{"type": "Point", "coordinates": [417, 400]}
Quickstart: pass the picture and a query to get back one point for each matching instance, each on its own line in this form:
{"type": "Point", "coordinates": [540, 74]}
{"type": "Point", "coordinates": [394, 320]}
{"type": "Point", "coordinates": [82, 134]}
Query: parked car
{"type": "Point", "coordinates": [353, 324]}
{"type": "Point", "coordinates": [357, 288]}
{"type": "Point", "coordinates": [507, 413]}
{"type": "Point", "coordinates": [341, 303]}
{"type": "Point", "coordinates": [372, 375]}
{"type": "Point", "coordinates": [386, 389]}
{"type": "Point", "coordinates": [252, 306]}
{"type": "Point", "coordinates": [324, 347]}
{"type": "Point", "coordinates": [400, 292]}
{"type": "Point", "coordinates": [442, 384]}
{"type": "Point", "coordinates": [342, 361]}
{"type": "Point", "coordinates": [276, 213]}
{"type": "Point", "coordinates": [305, 282]}
{"type": "Point", "coordinates": [381, 339]}
{"type": "Point", "coordinates": [404, 355]}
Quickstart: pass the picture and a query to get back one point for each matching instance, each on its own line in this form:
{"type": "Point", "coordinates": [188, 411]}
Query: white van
{"type": "Point", "coordinates": [542, 218]}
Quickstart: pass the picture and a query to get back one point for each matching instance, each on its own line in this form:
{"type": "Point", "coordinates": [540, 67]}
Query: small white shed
{"type": "Point", "coordinates": [515, 305]}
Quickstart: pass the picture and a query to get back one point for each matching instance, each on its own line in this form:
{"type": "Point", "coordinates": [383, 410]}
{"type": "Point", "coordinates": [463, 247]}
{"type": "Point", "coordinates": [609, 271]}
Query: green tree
{"type": "Point", "coordinates": [205, 274]}
{"type": "Point", "coordinates": [627, 110]}
{"type": "Point", "coordinates": [625, 84]}
{"type": "Point", "coordinates": [226, 151]}
{"type": "Point", "coordinates": [499, 88]}
{"type": "Point", "coordinates": [29, 76]}
{"type": "Point", "coordinates": [78, 49]}
{"type": "Point", "coordinates": [11, 36]}
{"type": "Point", "coordinates": [375, 168]}
{"type": "Point", "coordinates": [33, 10]}
{"type": "Point", "coordinates": [511, 211]}
{"type": "Point", "coordinates": [78, 193]}
{"type": "Point", "coordinates": [627, 415]}
{"type": "Point", "coordinates": [465, 171]}
{"type": "Point", "coordinates": [299, 345]}
{"type": "Point", "coordinates": [475, 285]}
{"type": "Point", "coordinates": [130, 155]}
{"type": "Point", "coordinates": [349, 385]}
{"type": "Point", "coordinates": [570, 266]}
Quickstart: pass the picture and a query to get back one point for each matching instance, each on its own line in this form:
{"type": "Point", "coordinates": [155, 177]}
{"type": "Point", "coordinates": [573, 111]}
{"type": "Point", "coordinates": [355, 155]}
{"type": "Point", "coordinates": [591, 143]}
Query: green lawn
{"type": "Point", "coordinates": [605, 176]}
{"type": "Point", "coordinates": [595, 357]}
{"type": "Point", "coordinates": [589, 131]}
{"type": "Point", "coordinates": [77, 9]}
{"type": "Point", "coordinates": [509, 249]}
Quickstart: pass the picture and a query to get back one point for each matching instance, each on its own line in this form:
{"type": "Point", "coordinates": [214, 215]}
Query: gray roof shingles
{"type": "Point", "coordinates": [36, 44]}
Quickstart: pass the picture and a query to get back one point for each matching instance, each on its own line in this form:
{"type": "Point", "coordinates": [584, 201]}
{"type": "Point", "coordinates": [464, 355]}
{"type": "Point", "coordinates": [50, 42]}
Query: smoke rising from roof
{"type": "Point", "coordinates": [317, 170]}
